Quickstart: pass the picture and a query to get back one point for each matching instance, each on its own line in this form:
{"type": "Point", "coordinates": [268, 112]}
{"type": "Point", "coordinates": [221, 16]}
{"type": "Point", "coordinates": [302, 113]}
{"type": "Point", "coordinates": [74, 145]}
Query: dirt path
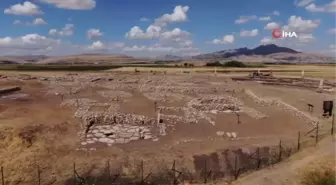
{"type": "Point", "coordinates": [287, 172]}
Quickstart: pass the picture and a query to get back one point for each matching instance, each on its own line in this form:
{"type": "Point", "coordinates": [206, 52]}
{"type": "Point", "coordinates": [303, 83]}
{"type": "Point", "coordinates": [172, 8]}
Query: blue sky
{"type": "Point", "coordinates": [179, 27]}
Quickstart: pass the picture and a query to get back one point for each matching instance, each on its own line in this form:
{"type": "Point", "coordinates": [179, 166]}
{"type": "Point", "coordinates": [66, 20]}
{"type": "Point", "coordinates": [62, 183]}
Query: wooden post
{"type": "Point", "coordinates": [299, 144]}
{"type": "Point", "coordinates": [2, 176]}
{"type": "Point", "coordinates": [332, 124]}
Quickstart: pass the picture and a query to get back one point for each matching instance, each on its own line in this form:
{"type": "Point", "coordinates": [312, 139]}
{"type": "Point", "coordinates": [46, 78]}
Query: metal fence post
{"type": "Point", "coordinates": [258, 158]}
{"type": "Point", "coordinates": [237, 170]}
{"type": "Point", "coordinates": [205, 172]}
{"type": "Point", "coordinates": [74, 173]}
{"type": "Point", "coordinates": [2, 176]}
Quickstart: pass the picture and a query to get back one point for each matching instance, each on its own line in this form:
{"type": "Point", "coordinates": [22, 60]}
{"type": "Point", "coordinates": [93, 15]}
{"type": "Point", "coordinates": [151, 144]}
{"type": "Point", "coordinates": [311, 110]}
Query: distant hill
{"type": "Point", "coordinates": [29, 58]}
{"type": "Point", "coordinates": [89, 59]}
{"type": "Point", "coordinates": [12, 60]}
{"type": "Point", "coordinates": [267, 53]}
{"type": "Point", "coordinates": [260, 50]}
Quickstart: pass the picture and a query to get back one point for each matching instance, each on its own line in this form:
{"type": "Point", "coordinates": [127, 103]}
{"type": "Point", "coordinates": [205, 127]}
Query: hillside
{"type": "Point", "coordinates": [12, 60]}
{"type": "Point", "coordinates": [267, 53]}
{"type": "Point", "coordinates": [260, 50]}
{"type": "Point", "coordinates": [89, 59]}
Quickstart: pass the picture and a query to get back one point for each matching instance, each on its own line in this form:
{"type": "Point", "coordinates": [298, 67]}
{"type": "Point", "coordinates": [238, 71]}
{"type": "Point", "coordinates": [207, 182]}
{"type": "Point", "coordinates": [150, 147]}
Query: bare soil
{"type": "Point", "coordinates": [37, 131]}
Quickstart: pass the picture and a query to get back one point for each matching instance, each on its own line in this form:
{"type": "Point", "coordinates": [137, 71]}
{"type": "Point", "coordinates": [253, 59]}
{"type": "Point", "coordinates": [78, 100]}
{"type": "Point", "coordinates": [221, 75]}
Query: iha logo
{"type": "Point", "coordinates": [277, 33]}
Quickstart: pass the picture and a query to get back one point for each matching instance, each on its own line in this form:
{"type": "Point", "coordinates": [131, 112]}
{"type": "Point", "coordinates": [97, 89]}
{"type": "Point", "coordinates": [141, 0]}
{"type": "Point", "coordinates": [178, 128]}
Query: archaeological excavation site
{"type": "Point", "coordinates": [68, 128]}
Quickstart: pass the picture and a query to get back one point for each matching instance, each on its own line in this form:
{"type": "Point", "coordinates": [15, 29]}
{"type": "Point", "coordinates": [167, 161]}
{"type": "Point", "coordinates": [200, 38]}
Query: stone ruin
{"type": "Point", "coordinates": [285, 106]}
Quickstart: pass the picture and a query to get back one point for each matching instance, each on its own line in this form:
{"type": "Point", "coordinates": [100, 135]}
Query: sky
{"type": "Point", "coordinates": [161, 27]}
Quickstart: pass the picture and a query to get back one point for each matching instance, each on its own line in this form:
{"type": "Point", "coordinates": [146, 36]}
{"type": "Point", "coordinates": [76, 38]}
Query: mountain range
{"type": "Point", "coordinates": [260, 50]}
{"type": "Point", "coordinates": [267, 53]}
{"type": "Point", "coordinates": [263, 53]}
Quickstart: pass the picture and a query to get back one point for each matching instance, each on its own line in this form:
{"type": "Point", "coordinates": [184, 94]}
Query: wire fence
{"type": "Point", "coordinates": [229, 166]}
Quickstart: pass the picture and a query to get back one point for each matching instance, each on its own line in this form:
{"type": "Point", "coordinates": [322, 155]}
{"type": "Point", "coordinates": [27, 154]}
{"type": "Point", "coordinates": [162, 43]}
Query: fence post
{"type": "Point", "coordinates": [141, 166]}
{"type": "Point", "coordinates": [174, 170]}
{"type": "Point", "coordinates": [258, 158]}
{"type": "Point", "coordinates": [205, 172]}
{"type": "Point", "coordinates": [236, 169]}
{"type": "Point", "coordinates": [317, 130]}
{"type": "Point", "coordinates": [280, 150]}
{"type": "Point", "coordinates": [2, 176]}
{"type": "Point", "coordinates": [155, 106]}
{"type": "Point", "coordinates": [299, 143]}
{"type": "Point", "coordinates": [108, 172]}
{"type": "Point", "coordinates": [332, 124]}
{"type": "Point", "coordinates": [74, 173]}
{"type": "Point", "coordinates": [39, 175]}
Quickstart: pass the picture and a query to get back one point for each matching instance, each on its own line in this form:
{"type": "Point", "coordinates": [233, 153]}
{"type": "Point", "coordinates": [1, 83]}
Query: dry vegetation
{"type": "Point", "coordinates": [88, 118]}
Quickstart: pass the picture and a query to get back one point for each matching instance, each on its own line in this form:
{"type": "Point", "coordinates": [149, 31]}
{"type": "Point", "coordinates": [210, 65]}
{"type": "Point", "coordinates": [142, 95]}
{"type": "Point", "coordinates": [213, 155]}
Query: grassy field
{"type": "Point", "coordinates": [326, 71]}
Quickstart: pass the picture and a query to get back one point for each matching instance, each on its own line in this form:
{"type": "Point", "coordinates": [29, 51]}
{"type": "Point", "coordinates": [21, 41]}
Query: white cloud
{"type": "Point", "coordinates": [39, 21]}
{"type": "Point", "coordinates": [330, 7]}
{"type": "Point", "coordinates": [40, 45]}
{"type": "Point", "coordinates": [176, 33]}
{"type": "Point", "coordinates": [66, 31]}
{"type": "Point", "coordinates": [36, 22]}
{"type": "Point", "coordinates": [271, 26]}
{"type": "Point", "coordinates": [179, 15]}
{"type": "Point", "coordinates": [98, 45]}
{"type": "Point", "coordinates": [27, 8]}
{"type": "Point", "coordinates": [303, 2]}
{"type": "Point", "coordinates": [332, 31]}
{"type": "Point", "coordinates": [144, 19]}
{"type": "Point", "coordinates": [244, 19]}
{"type": "Point", "coordinates": [314, 8]}
{"type": "Point", "coordinates": [158, 49]}
{"type": "Point", "coordinates": [267, 40]}
{"type": "Point", "coordinates": [227, 39]}
{"type": "Point", "coordinates": [275, 12]}
{"type": "Point", "coordinates": [94, 34]}
{"type": "Point", "coordinates": [72, 4]}
{"type": "Point", "coordinates": [18, 22]}
{"type": "Point", "coordinates": [27, 42]}
{"type": "Point", "coordinates": [249, 33]}
{"type": "Point", "coordinates": [306, 37]}
{"type": "Point", "coordinates": [136, 33]}
{"type": "Point", "coordinates": [332, 48]}
{"type": "Point", "coordinates": [268, 18]}
{"type": "Point", "coordinates": [298, 24]}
